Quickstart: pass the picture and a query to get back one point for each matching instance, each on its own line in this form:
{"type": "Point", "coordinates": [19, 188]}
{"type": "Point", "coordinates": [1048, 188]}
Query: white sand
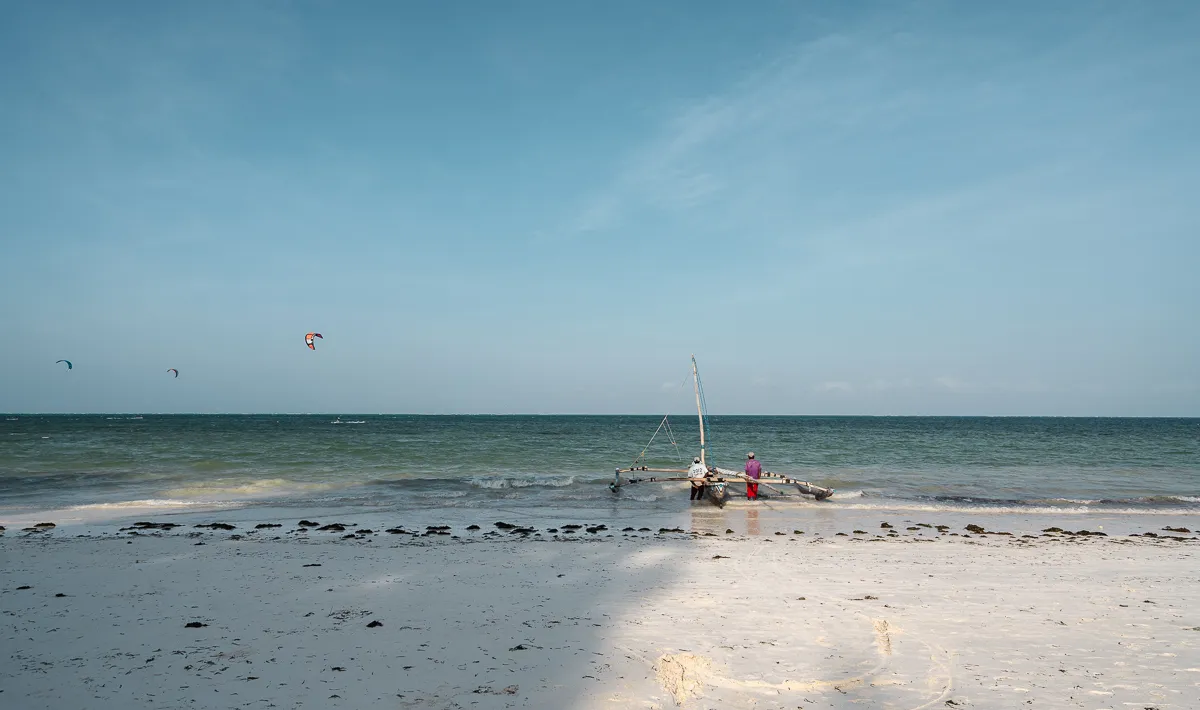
{"type": "Point", "coordinates": [779, 621]}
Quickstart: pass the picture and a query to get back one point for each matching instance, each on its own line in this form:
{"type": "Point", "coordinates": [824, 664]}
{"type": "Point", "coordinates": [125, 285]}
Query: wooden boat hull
{"type": "Point", "coordinates": [717, 492]}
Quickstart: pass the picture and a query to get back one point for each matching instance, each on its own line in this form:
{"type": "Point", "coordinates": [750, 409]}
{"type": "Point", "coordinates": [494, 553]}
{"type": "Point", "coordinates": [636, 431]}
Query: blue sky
{"type": "Point", "coordinates": [841, 208]}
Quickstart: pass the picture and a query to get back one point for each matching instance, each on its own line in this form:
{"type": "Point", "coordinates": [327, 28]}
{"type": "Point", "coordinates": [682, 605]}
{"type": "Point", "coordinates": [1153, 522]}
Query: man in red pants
{"type": "Point", "coordinates": [753, 470]}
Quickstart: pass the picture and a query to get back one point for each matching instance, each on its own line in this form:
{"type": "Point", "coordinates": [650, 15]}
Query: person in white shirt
{"type": "Point", "coordinates": [698, 473]}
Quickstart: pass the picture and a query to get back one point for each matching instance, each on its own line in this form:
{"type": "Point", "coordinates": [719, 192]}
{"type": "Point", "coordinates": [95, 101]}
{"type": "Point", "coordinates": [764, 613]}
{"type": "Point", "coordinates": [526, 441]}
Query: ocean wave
{"type": "Point", "coordinates": [912, 506]}
{"type": "Point", "coordinates": [498, 482]}
{"type": "Point", "coordinates": [1155, 501]}
{"type": "Point", "coordinates": [440, 493]}
{"type": "Point", "coordinates": [1152, 500]}
{"type": "Point", "coordinates": [114, 510]}
{"type": "Point", "coordinates": [250, 489]}
{"type": "Point", "coordinates": [158, 503]}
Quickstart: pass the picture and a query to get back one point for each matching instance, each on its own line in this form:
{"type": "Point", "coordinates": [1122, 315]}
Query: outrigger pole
{"type": "Point", "coordinates": [804, 487]}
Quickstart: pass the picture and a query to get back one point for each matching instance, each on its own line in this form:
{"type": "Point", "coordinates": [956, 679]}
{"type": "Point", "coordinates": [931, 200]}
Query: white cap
{"type": "Point", "coordinates": [750, 455]}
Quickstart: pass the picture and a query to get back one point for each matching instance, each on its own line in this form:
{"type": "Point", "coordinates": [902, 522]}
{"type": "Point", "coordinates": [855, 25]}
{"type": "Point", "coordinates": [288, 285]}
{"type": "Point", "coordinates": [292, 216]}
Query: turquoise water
{"type": "Point", "coordinates": [96, 462]}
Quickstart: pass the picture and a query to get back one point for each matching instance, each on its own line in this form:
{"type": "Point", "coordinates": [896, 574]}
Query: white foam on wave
{"type": "Point", "coordinates": [497, 482]}
{"type": "Point", "coordinates": [103, 512]}
{"type": "Point", "coordinates": [242, 490]}
{"type": "Point", "coordinates": [439, 494]}
{"type": "Point", "coordinates": [146, 503]}
{"type": "Point", "coordinates": [1009, 509]}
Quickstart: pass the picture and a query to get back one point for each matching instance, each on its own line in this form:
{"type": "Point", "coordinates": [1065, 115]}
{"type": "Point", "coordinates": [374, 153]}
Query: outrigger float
{"type": "Point", "coordinates": [716, 484]}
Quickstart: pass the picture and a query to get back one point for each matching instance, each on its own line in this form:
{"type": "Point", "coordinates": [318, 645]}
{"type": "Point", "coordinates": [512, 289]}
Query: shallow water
{"type": "Point", "coordinates": [114, 466]}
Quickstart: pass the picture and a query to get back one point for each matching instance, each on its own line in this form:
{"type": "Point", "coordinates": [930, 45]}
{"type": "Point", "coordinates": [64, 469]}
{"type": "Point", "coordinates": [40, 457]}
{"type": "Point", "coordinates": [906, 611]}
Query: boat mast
{"type": "Point", "coordinates": [699, 410]}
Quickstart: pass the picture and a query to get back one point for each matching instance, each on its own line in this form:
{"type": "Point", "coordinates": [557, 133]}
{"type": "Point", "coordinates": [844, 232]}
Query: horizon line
{"type": "Point", "coordinates": [584, 414]}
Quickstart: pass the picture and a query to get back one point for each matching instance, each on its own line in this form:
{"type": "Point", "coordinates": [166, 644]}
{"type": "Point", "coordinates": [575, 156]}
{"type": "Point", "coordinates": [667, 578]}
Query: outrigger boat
{"type": "Point", "coordinates": [717, 482]}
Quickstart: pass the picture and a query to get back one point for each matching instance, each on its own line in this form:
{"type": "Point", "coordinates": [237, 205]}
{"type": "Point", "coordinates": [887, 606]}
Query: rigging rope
{"type": "Point", "coordinates": [670, 435]}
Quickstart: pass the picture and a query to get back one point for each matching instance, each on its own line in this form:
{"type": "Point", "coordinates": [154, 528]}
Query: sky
{"type": "Point", "coordinates": [909, 208]}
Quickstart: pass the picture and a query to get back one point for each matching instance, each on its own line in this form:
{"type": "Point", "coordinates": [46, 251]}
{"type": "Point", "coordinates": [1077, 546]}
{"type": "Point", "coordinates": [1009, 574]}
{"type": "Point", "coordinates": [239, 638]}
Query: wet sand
{"type": "Point", "coordinates": [887, 617]}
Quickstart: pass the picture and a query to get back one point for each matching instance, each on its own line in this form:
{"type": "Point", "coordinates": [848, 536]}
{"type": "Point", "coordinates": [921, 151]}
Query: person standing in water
{"type": "Point", "coordinates": [753, 470]}
{"type": "Point", "coordinates": [697, 473]}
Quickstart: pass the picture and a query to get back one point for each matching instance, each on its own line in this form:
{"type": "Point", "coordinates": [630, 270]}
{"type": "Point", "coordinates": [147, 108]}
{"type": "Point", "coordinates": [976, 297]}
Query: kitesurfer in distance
{"type": "Point", "coordinates": [753, 470]}
{"type": "Point", "coordinates": [698, 473]}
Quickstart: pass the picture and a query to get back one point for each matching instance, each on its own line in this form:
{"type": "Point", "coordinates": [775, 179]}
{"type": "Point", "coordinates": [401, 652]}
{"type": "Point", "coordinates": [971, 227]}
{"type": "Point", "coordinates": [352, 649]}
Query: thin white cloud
{"type": "Point", "coordinates": [883, 384]}
{"type": "Point", "coordinates": [709, 143]}
{"type": "Point", "coordinates": [950, 382]}
{"type": "Point", "coordinates": [756, 147]}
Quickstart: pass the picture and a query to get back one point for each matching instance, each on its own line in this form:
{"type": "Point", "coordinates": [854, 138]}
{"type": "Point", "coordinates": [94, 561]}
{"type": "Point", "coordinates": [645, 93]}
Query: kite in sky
{"type": "Point", "coordinates": [175, 371]}
{"type": "Point", "coordinates": [308, 340]}
{"type": "Point", "coordinates": [69, 366]}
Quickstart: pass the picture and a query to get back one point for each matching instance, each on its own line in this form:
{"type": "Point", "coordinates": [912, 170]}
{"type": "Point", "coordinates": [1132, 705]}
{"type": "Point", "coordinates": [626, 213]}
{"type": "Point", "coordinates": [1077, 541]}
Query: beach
{"type": "Point", "coordinates": [901, 614]}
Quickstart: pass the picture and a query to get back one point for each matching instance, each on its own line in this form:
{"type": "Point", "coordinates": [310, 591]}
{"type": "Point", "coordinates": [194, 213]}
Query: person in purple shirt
{"type": "Point", "coordinates": [753, 470]}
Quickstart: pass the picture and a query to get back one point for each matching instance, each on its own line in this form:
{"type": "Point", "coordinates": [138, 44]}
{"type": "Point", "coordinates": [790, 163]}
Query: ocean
{"type": "Point", "coordinates": [88, 468]}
